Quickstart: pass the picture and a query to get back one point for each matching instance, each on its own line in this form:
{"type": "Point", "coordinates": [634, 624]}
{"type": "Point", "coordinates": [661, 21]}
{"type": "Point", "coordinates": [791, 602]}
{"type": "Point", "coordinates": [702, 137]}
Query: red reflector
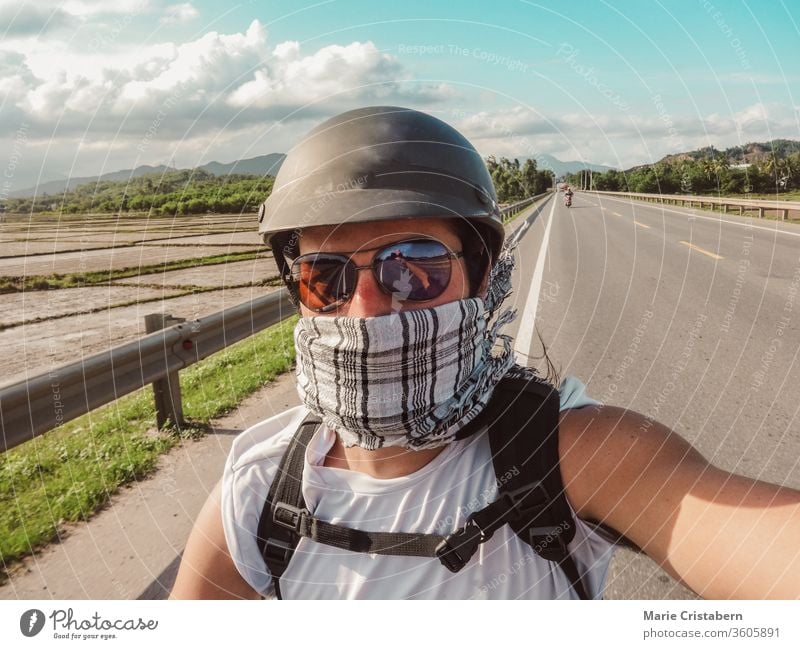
{"type": "Point", "coordinates": [188, 344]}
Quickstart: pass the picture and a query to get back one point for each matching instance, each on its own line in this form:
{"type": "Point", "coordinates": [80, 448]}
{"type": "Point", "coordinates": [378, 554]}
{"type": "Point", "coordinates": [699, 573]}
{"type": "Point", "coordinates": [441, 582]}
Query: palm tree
{"type": "Point", "coordinates": [793, 167]}
{"type": "Point", "coordinates": [770, 165]}
{"type": "Point", "coordinates": [707, 165]}
{"type": "Point", "coordinates": [719, 165]}
{"type": "Point", "coordinates": [783, 174]}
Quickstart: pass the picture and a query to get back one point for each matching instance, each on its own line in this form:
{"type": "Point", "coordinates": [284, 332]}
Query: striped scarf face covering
{"type": "Point", "coordinates": [411, 378]}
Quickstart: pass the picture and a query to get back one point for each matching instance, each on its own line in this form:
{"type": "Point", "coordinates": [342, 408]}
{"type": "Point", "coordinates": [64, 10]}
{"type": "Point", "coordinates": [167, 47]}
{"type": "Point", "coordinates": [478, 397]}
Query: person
{"type": "Point", "coordinates": [568, 196]}
{"type": "Point", "coordinates": [407, 384]}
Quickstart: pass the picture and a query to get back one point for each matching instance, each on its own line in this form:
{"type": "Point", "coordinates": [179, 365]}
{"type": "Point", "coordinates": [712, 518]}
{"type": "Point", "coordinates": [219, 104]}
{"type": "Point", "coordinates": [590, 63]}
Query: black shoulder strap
{"type": "Point", "coordinates": [277, 542]}
{"type": "Point", "coordinates": [524, 443]}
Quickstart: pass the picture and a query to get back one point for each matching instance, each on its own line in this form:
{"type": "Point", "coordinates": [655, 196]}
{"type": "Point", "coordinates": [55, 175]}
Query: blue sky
{"type": "Point", "coordinates": [88, 87]}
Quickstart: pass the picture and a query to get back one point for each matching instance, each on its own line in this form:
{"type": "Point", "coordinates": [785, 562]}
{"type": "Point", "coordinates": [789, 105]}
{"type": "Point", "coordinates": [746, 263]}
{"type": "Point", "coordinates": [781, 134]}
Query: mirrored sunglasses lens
{"type": "Point", "coordinates": [414, 270]}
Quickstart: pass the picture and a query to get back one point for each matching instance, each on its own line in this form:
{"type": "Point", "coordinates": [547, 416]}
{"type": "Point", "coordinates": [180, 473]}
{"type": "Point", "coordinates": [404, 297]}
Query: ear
{"type": "Point", "coordinates": [483, 287]}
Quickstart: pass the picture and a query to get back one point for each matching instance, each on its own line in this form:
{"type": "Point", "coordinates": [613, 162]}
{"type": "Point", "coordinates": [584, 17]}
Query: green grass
{"type": "Point", "coordinates": [783, 196]}
{"type": "Point", "coordinates": [93, 278]}
{"type": "Point", "coordinates": [66, 475]}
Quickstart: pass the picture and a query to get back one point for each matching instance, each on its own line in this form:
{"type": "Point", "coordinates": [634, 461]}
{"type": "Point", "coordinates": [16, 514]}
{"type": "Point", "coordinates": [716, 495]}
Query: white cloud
{"type": "Point", "coordinates": [230, 80]}
{"type": "Point", "coordinates": [214, 62]}
{"type": "Point", "coordinates": [33, 20]}
{"type": "Point", "coordinates": [32, 17]}
{"type": "Point", "coordinates": [622, 140]}
{"type": "Point", "coordinates": [357, 69]}
{"type": "Point", "coordinates": [178, 14]}
{"type": "Point", "coordinates": [198, 97]}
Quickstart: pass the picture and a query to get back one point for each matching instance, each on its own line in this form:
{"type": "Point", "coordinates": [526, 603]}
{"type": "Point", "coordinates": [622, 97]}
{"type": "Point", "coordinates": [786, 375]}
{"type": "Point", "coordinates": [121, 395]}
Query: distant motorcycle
{"type": "Point", "coordinates": [568, 200]}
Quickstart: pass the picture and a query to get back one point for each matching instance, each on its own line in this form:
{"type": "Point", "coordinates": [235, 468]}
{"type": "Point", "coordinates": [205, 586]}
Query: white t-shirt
{"type": "Point", "coordinates": [437, 499]}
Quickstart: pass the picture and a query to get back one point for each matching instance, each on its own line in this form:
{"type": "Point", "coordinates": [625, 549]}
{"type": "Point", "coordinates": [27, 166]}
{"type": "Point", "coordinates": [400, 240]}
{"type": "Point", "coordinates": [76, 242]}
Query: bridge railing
{"type": "Point", "coordinates": [726, 203]}
{"type": "Point", "coordinates": [40, 403]}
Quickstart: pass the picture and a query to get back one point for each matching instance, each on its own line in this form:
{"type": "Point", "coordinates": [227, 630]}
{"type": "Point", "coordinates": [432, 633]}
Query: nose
{"type": "Point", "coordinates": [368, 300]}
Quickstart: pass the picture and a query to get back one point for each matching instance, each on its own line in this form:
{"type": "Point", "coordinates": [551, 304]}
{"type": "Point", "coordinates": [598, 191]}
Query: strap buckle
{"type": "Point", "coordinates": [277, 552]}
{"type": "Point", "coordinates": [516, 500]}
{"type": "Point", "coordinates": [548, 542]}
{"type": "Point", "coordinates": [456, 549]}
{"type": "Point", "coordinates": [289, 516]}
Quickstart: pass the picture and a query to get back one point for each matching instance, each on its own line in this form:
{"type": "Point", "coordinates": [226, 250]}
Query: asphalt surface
{"type": "Point", "coordinates": [680, 314]}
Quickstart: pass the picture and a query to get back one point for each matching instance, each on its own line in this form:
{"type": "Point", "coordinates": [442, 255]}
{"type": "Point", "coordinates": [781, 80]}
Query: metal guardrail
{"type": "Point", "coordinates": [32, 407]}
{"type": "Point", "coordinates": [510, 210]}
{"type": "Point", "coordinates": [742, 204]}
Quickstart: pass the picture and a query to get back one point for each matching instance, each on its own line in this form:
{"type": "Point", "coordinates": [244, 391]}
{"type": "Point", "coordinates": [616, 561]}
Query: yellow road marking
{"type": "Point", "coordinates": [705, 252]}
{"type": "Point", "coordinates": [641, 225]}
{"type": "Point", "coordinates": [616, 214]}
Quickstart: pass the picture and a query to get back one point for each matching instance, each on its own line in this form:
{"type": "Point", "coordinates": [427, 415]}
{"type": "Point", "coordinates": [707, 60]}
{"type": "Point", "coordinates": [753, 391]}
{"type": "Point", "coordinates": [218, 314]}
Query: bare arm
{"type": "Point", "coordinates": [723, 535]}
{"type": "Point", "coordinates": [207, 570]}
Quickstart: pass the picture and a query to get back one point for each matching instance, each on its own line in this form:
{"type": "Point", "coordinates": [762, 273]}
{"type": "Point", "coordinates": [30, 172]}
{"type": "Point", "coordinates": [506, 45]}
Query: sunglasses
{"type": "Point", "coordinates": [415, 270]}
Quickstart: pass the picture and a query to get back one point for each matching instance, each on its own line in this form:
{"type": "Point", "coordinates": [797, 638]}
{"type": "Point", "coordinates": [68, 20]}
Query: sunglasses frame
{"type": "Point", "coordinates": [347, 258]}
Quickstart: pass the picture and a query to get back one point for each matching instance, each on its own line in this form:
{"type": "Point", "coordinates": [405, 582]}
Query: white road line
{"type": "Point", "coordinates": [690, 215]}
{"type": "Point", "coordinates": [522, 343]}
{"type": "Point", "coordinates": [642, 225]}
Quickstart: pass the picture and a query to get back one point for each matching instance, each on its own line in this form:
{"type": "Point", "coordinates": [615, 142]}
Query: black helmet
{"type": "Point", "coordinates": [379, 163]}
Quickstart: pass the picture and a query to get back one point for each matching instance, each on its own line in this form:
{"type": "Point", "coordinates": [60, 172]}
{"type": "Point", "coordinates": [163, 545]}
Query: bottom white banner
{"type": "Point", "coordinates": [389, 625]}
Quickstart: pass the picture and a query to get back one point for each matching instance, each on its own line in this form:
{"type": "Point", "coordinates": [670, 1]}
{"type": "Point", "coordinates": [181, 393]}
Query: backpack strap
{"type": "Point", "coordinates": [523, 431]}
{"type": "Point", "coordinates": [277, 542]}
{"type": "Point", "coordinates": [524, 443]}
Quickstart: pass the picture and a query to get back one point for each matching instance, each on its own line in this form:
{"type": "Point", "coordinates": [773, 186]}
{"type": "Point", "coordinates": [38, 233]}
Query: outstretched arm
{"type": "Point", "coordinates": [723, 535]}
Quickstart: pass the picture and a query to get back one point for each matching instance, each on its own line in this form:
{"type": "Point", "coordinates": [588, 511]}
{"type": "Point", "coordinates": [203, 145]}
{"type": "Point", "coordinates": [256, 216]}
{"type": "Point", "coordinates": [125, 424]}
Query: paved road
{"type": "Point", "coordinates": [679, 314]}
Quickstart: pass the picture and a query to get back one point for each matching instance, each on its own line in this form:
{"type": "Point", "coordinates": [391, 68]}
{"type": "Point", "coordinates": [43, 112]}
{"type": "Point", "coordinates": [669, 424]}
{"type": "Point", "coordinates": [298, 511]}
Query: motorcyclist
{"type": "Point", "coordinates": [361, 195]}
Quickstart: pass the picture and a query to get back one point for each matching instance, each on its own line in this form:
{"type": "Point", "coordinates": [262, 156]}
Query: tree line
{"type": "Point", "coordinates": [187, 191]}
{"type": "Point", "coordinates": [711, 172]}
{"type": "Point", "coordinates": [195, 191]}
{"type": "Point", "coordinates": [514, 182]}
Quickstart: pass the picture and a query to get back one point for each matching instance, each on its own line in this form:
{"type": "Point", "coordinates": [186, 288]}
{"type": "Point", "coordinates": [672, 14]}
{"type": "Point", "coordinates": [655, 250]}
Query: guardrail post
{"type": "Point", "coordinates": [167, 391]}
{"type": "Point", "coordinates": [784, 215]}
{"type": "Point", "coordinates": [761, 212]}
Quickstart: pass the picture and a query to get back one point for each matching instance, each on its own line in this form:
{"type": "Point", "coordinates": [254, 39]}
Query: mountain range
{"type": "Point", "coordinates": [561, 168]}
{"type": "Point", "coordinates": [259, 166]}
